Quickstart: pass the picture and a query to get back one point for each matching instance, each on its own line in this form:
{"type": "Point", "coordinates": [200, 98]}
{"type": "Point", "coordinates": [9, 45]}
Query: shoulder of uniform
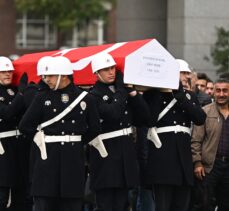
{"type": "Point", "coordinates": [190, 95]}
{"type": "Point", "coordinates": [43, 93]}
{"type": "Point", "coordinates": [89, 97]}
{"type": "Point", "coordinates": [95, 92]}
{"type": "Point", "coordinates": [14, 88]}
{"type": "Point", "coordinates": [190, 92]}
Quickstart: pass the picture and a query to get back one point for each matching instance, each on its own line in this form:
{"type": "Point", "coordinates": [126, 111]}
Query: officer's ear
{"type": "Point", "coordinates": [64, 77]}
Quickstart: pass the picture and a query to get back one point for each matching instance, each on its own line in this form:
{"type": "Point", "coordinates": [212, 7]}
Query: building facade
{"type": "Point", "coordinates": [187, 28]}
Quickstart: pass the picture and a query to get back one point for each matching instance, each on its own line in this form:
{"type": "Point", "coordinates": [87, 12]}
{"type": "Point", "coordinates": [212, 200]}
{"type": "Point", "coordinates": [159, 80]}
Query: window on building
{"type": "Point", "coordinates": [39, 33]}
{"type": "Point", "coordinates": [35, 33]}
{"type": "Point", "coordinates": [91, 33]}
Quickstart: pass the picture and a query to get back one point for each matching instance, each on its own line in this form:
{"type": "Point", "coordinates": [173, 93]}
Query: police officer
{"type": "Point", "coordinates": [20, 194]}
{"type": "Point", "coordinates": [65, 118]}
{"type": "Point", "coordinates": [8, 134]}
{"type": "Point", "coordinates": [170, 167]}
{"type": "Point", "coordinates": [119, 107]}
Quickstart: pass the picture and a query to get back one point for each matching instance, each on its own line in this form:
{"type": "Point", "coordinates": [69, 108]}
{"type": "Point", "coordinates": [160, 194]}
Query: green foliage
{"type": "Point", "coordinates": [220, 51]}
{"type": "Point", "coordinates": [65, 13]}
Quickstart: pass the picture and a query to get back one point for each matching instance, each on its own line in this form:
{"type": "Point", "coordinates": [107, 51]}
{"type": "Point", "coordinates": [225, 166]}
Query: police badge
{"type": "Point", "coordinates": [10, 92]}
{"type": "Point", "coordinates": [64, 98]}
{"type": "Point", "coordinates": [83, 105]}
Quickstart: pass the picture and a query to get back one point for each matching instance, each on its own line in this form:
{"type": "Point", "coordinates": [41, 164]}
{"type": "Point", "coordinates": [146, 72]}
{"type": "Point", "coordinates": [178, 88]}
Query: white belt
{"type": "Point", "coordinates": [9, 133]}
{"type": "Point", "coordinates": [117, 133]}
{"type": "Point", "coordinates": [65, 138]}
{"type": "Point", "coordinates": [176, 129]}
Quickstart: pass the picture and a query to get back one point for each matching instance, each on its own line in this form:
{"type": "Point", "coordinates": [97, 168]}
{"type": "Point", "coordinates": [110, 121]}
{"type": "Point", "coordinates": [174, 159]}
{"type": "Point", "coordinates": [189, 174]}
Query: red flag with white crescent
{"type": "Point", "coordinates": [80, 58]}
{"type": "Point", "coordinates": [144, 62]}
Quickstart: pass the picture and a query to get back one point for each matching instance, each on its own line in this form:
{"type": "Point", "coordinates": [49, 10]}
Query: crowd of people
{"type": "Point", "coordinates": [112, 147]}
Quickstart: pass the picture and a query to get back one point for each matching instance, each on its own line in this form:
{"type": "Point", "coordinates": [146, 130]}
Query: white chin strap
{"type": "Point", "coordinates": [58, 82]}
{"type": "Point", "coordinates": [100, 77]}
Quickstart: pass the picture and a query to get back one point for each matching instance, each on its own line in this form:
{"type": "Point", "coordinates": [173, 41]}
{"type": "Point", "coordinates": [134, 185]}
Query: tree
{"type": "Point", "coordinates": [220, 51]}
{"type": "Point", "coordinates": [66, 14]}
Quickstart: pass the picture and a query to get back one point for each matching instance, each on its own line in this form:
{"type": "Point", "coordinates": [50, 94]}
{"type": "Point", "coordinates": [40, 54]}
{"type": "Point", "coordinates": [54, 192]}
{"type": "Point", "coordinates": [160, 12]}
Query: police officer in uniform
{"type": "Point", "coordinates": [9, 134]}
{"type": "Point", "coordinates": [119, 107]}
{"type": "Point", "coordinates": [65, 118]}
{"type": "Point", "coordinates": [20, 194]}
{"type": "Point", "coordinates": [170, 167]}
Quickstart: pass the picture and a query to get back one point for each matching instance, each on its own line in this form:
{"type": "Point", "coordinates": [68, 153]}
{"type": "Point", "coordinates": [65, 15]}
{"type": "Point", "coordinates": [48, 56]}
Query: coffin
{"type": "Point", "coordinates": [143, 62]}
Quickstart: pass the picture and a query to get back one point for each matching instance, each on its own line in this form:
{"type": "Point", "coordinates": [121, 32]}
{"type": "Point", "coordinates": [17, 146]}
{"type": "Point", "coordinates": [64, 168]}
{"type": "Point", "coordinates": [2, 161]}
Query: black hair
{"type": "Point", "coordinates": [202, 76]}
{"type": "Point", "coordinates": [224, 75]}
{"type": "Point", "coordinates": [222, 80]}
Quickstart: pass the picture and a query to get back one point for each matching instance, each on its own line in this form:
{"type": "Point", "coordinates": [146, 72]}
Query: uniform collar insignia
{"type": "Point", "coordinates": [105, 97]}
{"type": "Point", "coordinates": [10, 92]}
{"type": "Point", "coordinates": [47, 102]}
{"type": "Point", "coordinates": [188, 96]}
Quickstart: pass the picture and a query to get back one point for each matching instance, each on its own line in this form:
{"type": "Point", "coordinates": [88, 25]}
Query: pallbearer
{"type": "Point", "coordinates": [61, 118]}
{"type": "Point", "coordinates": [119, 108]}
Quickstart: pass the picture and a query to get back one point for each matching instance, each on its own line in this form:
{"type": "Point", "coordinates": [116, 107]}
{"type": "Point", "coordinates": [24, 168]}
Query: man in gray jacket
{"type": "Point", "coordinates": [210, 150]}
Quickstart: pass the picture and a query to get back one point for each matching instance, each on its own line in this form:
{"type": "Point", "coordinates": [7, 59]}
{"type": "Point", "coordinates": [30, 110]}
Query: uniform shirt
{"type": "Point", "coordinates": [8, 159]}
{"type": "Point", "coordinates": [7, 94]}
{"type": "Point", "coordinates": [23, 154]}
{"type": "Point", "coordinates": [117, 111]}
{"type": "Point", "coordinates": [172, 163]}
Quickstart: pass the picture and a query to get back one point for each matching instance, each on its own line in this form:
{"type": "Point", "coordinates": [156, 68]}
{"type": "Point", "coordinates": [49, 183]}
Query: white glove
{"type": "Point", "coordinates": [152, 136]}
{"type": "Point", "coordinates": [98, 144]}
{"type": "Point", "coordinates": [39, 139]}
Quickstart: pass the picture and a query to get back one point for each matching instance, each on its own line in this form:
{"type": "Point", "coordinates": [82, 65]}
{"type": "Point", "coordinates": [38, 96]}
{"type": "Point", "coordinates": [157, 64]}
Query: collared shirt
{"type": "Point", "coordinates": [223, 147]}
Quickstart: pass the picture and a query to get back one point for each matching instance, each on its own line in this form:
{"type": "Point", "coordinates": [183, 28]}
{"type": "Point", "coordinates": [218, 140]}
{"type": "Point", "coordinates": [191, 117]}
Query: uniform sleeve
{"type": "Point", "coordinates": [29, 95]}
{"type": "Point", "coordinates": [153, 100]}
{"type": "Point", "coordinates": [193, 109]}
{"type": "Point", "coordinates": [94, 128]}
{"type": "Point", "coordinates": [113, 109]}
{"type": "Point", "coordinates": [17, 106]}
{"type": "Point", "coordinates": [196, 144]}
{"type": "Point", "coordinates": [140, 109]}
{"type": "Point", "coordinates": [32, 117]}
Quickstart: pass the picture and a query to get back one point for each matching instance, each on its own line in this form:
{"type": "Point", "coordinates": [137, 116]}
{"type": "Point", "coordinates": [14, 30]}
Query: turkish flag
{"type": "Point", "coordinates": [139, 50]}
